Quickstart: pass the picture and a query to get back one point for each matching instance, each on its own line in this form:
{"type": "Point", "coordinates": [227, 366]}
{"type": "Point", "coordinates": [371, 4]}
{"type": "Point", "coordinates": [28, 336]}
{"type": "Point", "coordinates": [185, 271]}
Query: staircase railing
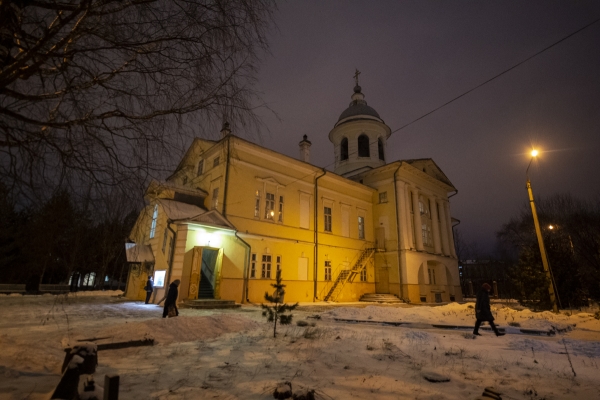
{"type": "Point", "coordinates": [347, 275]}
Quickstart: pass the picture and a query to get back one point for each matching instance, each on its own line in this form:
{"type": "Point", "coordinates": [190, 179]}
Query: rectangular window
{"type": "Point", "coordinates": [266, 266]}
{"type": "Point", "coordinates": [215, 198]}
{"type": "Point", "coordinates": [200, 167]}
{"type": "Point", "coordinates": [328, 270]}
{"type": "Point", "coordinates": [431, 276]}
{"type": "Point", "coordinates": [216, 162]}
{"type": "Point", "coordinates": [253, 266]}
{"type": "Point", "coordinates": [257, 204]}
{"type": "Point", "coordinates": [153, 224]}
{"type": "Point", "coordinates": [327, 220]}
{"type": "Point", "coordinates": [164, 246]}
{"type": "Point", "coordinates": [278, 259]}
{"type": "Point", "coordinates": [363, 275]}
{"type": "Point", "coordinates": [426, 233]}
{"type": "Point", "coordinates": [383, 197]}
{"type": "Point", "coordinates": [361, 227]}
{"type": "Point", "coordinates": [280, 215]}
{"type": "Point", "coordinates": [269, 205]}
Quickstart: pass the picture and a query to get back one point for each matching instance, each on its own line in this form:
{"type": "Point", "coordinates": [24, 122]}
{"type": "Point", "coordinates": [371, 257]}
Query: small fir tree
{"type": "Point", "coordinates": [278, 309]}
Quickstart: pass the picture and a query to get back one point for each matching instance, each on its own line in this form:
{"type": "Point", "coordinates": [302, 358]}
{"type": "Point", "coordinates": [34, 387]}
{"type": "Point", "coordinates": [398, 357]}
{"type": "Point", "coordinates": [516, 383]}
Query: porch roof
{"type": "Point", "coordinates": [137, 253]}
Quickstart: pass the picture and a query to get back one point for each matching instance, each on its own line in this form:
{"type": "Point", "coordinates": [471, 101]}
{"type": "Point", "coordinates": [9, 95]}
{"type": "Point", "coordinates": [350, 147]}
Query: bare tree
{"type": "Point", "coordinates": [103, 91]}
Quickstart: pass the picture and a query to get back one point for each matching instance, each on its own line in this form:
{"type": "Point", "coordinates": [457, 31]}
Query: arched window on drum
{"type": "Point", "coordinates": [344, 149]}
{"type": "Point", "coordinates": [363, 146]}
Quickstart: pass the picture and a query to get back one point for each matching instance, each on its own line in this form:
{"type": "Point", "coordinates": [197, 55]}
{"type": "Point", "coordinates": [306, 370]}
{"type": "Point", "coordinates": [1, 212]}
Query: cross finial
{"type": "Point", "coordinates": [356, 74]}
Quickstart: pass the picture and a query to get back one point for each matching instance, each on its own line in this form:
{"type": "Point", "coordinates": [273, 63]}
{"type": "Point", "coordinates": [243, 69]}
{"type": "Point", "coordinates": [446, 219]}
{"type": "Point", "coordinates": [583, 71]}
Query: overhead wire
{"type": "Point", "coordinates": [468, 91]}
{"type": "Point", "coordinates": [499, 75]}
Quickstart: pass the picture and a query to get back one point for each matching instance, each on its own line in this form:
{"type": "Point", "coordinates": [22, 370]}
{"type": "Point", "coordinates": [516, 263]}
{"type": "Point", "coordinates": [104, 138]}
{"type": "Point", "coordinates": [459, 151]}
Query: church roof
{"type": "Point", "coordinates": [358, 108]}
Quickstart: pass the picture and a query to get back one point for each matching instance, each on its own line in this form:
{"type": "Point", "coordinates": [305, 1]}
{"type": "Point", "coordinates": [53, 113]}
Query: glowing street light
{"type": "Point", "coordinates": [538, 232]}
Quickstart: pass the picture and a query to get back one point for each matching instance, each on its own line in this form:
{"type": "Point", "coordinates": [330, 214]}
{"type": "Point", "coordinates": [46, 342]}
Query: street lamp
{"type": "Point", "coordinates": [538, 232]}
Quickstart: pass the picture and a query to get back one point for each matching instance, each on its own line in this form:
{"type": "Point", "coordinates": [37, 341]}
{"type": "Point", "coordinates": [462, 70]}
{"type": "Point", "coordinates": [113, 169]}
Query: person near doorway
{"type": "Point", "coordinates": [149, 288]}
{"type": "Point", "coordinates": [483, 311]}
{"type": "Point", "coordinates": [170, 309]}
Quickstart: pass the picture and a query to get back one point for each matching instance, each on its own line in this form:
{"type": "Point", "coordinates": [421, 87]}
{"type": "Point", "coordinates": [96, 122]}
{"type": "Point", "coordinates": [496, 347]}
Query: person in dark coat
{"type": "Point", "coordinates": [149, 288]}
{"type": "Point", "coordinates": [171, 300]}
{"type": "Point", "coordinates": [483, 311]}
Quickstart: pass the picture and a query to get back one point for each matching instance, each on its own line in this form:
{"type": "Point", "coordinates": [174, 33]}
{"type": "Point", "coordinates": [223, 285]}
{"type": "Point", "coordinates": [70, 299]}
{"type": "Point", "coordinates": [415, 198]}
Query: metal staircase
{"type": "Point", "coordinates": [348, 275]}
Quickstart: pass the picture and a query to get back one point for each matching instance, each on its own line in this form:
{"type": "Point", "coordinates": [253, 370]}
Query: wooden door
{"type": "Point", "coordinates": [195, 273]}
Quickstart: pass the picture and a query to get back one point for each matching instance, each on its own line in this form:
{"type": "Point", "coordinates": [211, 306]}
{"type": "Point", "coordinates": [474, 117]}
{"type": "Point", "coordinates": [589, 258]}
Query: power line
{"type": "Point", "coordinates": [465, 93]}
{"type": "Point", "coordinates": [500, 74]}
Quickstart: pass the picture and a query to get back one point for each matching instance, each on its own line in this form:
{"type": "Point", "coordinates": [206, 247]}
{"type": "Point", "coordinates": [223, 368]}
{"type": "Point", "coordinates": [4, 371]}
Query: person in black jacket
{"type": "Point", "coordinates": [483, 311]}
{"type": "Point", "coordinates": [149, 288]}
{"type": "Point", "coordinates": [171, 300]}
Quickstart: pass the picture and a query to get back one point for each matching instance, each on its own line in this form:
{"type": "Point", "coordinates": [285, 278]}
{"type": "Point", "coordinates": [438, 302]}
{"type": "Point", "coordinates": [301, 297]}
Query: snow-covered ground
{"type": "Point", "coordinates": [231, 354]}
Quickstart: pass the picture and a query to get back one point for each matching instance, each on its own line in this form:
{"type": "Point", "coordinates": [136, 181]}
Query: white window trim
{"type": "Point", "coordinates": [253, 266]}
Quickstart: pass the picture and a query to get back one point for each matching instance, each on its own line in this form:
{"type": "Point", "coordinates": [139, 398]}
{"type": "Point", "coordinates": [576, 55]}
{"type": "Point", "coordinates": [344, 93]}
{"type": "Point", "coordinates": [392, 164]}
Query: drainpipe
{"type": "Point", "coordinates": [168, 281]}
{"type": "Point", "coordinates": [226, 179]}
{"type": "Point", "coordinates": [246, 270]}
{"type": "Point", "coordinates": [316, 253]}
{"type": "Point", "coordinates": [401, 291]}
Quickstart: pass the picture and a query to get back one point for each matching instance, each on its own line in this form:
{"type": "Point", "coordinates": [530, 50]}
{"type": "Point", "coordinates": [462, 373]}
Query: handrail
{"type": "Point", "coordinates": [330, 287]}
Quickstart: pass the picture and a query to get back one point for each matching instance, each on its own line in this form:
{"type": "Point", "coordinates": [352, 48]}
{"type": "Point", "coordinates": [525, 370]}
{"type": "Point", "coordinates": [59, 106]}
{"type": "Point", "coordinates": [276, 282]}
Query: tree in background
{"type": "Point", "coordinates": [278, 311]}
{"type": "Point", "coordinates": [62, 237]}
{"type": "Point", "coordinates": [571, 232]}
{"type": "Point", "coordinates": [104, 92]}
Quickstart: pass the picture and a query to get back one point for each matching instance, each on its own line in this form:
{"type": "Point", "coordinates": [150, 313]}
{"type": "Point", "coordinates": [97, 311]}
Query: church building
{"type": "Point", "coordinates": [234, 214]}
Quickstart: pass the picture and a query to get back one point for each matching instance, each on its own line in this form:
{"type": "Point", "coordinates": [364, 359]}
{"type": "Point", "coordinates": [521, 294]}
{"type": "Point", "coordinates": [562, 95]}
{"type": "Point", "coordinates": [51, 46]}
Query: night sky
{"type": "Point", "coordinates": [415, 56]}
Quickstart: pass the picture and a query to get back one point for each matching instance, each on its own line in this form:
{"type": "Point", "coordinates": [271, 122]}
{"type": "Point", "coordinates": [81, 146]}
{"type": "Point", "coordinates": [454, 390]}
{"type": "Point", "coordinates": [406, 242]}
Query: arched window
{"type": "Point", "coordinates": [344, 149]}
{"type": "Point", "coordinates": [380, 149]}
{"type": "Point", "coordinates": [363, 146]}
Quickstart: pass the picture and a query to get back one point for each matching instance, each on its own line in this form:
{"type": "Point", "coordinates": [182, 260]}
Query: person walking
{"type": "Point", "coordinates": [149, 288]}
{"type": "Point", "coordinates": [170, 309]}
{"type": "Point", "coordinates": [483, 311]}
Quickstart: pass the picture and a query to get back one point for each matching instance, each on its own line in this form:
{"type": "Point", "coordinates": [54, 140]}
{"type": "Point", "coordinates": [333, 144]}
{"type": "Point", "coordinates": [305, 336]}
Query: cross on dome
{"type": "Point", "coordinates": [356, 74]}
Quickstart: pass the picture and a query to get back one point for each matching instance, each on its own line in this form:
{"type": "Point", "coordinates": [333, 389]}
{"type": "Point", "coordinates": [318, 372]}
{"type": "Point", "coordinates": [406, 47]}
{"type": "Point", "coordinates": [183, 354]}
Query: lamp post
{"type": "Point", "coordinates": [538, 232]}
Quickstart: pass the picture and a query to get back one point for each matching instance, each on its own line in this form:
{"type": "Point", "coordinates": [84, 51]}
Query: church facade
{"type": "Point", "coordinates": [234, 214]}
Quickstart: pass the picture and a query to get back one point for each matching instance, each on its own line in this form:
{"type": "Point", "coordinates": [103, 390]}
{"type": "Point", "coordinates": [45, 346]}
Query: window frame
{"type": "Point", "coordinates": [363, 275]}
{"type": "Point", "coordinates": [216, 161]}
{"type": "Point", "coordinates": [269, 206]}
{"type": "Point", "coordinates": [361, 227]}
{"type": "Point", "coordinates": [327, 271]}
{"type": "Point", "coordinates": [327, 219]}
{"type": "Point", "coordinates": [383, 197]}
{"type": "Point", "coordinates": [215, 198]}
{"type": "Point", "coordinates": [253, 266]}
{"type": "Point", "coordinates": [200, 168]}
{"type": "Point", "coordinates": [154, 221]}
{"type": "Point", "coordinates": [280, 210]}
{"type": "Point", "coordinates": [265, 270]}
{"type": "Point", "coordinates": [257, 204]}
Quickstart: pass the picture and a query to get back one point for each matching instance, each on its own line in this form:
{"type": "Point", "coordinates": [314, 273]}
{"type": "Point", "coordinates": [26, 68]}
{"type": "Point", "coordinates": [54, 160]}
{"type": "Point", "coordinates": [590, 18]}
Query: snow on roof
{"type": "Point", "coordinates": [176, 210]}
{"type": "Point", "coordinates": [137, 253]}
